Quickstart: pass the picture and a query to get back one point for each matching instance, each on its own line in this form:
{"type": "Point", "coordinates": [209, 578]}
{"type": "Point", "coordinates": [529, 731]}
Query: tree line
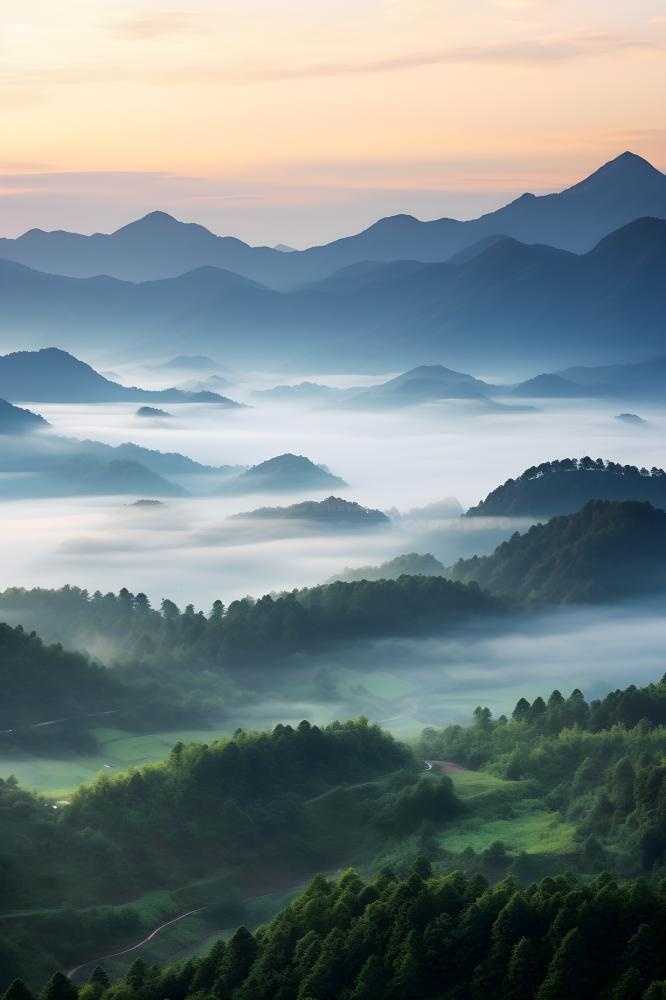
{"type": "Point", "coordinates": [437, 938]}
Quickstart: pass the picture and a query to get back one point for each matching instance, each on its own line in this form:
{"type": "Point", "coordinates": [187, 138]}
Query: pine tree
{"type": "Point", "coordinates": [59, 987]}
{"type": "Point", "coordinates": [18, 991]}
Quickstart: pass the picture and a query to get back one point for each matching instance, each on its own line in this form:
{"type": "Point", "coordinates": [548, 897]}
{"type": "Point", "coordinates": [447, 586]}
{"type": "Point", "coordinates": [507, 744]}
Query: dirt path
{"type": "Point", "coordinates": [444, 767]}
{"type": "Point", "coordinates": [134, 947]}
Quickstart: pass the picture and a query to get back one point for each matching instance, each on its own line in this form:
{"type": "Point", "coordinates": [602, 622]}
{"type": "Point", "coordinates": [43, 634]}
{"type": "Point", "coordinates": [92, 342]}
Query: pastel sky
{"type": "Point", "coordinates": [298, 121]}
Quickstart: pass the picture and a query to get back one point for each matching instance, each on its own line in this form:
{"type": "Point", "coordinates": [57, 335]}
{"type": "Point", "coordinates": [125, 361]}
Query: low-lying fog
{"type": "Point", "coordinates": [408, 684]}
{"type": "Point", "coordinates": [395, 461]}
{"type": "Point", "coordinates": [401, 460]}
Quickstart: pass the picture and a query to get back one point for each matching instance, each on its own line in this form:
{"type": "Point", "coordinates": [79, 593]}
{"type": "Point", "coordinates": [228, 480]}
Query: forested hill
{"type": "Point", "coordinates": [270, 626]}
{"type": "Point", "coordinates": [41, 682]}
{"type": "Point", "coordinates": [260, 807]}
{"type": "Point", "coordinates": [564, 486]}
{"type": "Point", "coordinates": [435, 938]}
{"type": "Point", "coordinates": [606, 551]}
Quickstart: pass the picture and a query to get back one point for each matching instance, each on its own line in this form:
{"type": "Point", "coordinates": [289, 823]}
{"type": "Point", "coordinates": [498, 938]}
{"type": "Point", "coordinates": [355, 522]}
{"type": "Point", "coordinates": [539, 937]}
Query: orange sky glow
{"type": "Point", "coordinates": [301, 120]}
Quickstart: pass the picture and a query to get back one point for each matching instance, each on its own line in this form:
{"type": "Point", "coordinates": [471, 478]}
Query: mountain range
{"type": "Point", "coordinates": [54, 376]}
{"type": "Point", "coordinates": [515, 304]}
{"type": "Point", "coordinates": [36, 465]}
{"type": "Point", "coordinates": [158, 246]}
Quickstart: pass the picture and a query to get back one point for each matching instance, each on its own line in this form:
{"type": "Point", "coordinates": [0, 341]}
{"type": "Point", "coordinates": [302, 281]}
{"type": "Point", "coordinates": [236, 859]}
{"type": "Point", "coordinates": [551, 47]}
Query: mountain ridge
{"type": "Point", "coordinates": [511, 301]}
{"type": "Point", "coordinates": [160, 246]}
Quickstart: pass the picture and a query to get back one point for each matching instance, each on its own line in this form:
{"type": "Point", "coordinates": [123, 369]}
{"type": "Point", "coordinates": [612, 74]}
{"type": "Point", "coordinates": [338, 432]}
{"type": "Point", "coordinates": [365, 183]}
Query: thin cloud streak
{"type": "Point", "coordinates": [528, 53]}
{"type": "Point", "coordinates": [157, 24]}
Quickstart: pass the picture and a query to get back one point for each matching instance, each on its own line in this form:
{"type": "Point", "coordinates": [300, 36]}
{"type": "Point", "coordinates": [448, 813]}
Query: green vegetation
{"type": "Point", "coordinates": [409, 564]}
{"type": "Point", "coordinates": [562, 786]}
{"type": "Point", "coordinates": [605, 552]}
{"type": "Point", "coordinates": [564, 486]}
{"type": "Point", "coordinates": [525, 826]}
{"type": "Point", "coordinates": [171, 645]}
{"type": "Point", "coordinates": [209, 824]}
{"type": "Point", "coordinates": [597, 768]}
{"type": "Point", "coordinates": [445, 938]}
{"type": "Point", "coordinates": [42, 683]}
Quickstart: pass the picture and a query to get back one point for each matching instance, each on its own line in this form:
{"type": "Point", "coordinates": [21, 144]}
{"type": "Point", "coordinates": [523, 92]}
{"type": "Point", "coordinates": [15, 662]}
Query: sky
{"type": "Point", "coordinates": [298, 121]}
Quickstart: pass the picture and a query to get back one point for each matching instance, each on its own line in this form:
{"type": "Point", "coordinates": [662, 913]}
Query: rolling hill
{"type": "Point", "coordinates": [606, 551]}
{"type": "Point", "coordinates": [564, 486]}
{"type": "Point", "coordinates": [333, 512]}
{"type": "Point", "coordinates": [284, 473]}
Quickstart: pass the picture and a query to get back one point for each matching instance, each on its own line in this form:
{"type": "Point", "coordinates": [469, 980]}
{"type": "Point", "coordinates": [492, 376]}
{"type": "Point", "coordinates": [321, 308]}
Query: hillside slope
{"type": "Point", "coordinates": [607, 551]}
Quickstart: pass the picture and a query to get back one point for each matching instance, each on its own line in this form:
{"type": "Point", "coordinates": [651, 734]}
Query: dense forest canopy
{"type": "Point", "coordinates": [305, 799]}
{"type": "Point", "coordinates": [41, 682]}
{"type": "Point", "coordinates": [563, 486]}
{"type": "Point", "coordinates": [246, 629]}
{"type": "Point", "coordinates": [438, 938]}
{"type": "Point", "coordinates": [605, 552]}
{"type": "Point", "coordinates": [281, 804]}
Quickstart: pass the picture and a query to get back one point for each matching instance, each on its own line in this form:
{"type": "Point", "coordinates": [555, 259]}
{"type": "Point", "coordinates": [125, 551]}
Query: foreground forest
{"type": "Point", "coordinates": [577, 790]}
{"type": "Point", "coordinates": [447, 937]}
{"type": "Point", "coordinates": [537, 811]}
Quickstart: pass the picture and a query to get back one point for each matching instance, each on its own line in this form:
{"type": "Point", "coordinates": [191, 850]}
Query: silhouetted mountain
{"type": "Point", "coordinates": [14, 420]}
{"type": "Point", "coordinates": [152, 411]}
{"type": "Point", "coordinates": [333, 512]}
{"type": "Point", "coordinates": [160, 462]}
{"type": "Point", "coordinates": [564, 486]}
{"type": "Point", "coordinates": [630, 418]}
{"type": "Point", "coordinates": [410, 564]}
{"type": "Point", "coordinates": [438, 510]}
{"type": "Point", "coordinates": [512, 304]}
{"type": "Point", "coordinates": [284, 473]}
{"type": "Point", "coordinates": [158, 246]}
{"type": "Point", "coordinates": [86, 475]}
{"type": "Point", "coordinates": [421, 385]}
{"type": "Point", "coordinates": [606, 551]}
{"type": "Point", "coordinates": [54, 376]}
{"type": "Point", "coordinates": [552, 387]}
{"type": "Point", "coordinates": [645, 380]}
{"type": "Point", "coordinates": [41, 465]}
{"type": "Point", "coordinates": [188, 362]}
{"type": "Point", "coordinates": [303, 392]}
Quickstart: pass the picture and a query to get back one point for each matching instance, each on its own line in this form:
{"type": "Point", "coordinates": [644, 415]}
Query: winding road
{"type": "Point", "coordinates": [134, 947]}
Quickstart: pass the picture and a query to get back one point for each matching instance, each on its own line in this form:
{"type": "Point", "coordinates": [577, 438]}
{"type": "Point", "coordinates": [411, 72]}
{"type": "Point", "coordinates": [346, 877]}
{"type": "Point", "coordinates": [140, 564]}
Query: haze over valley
{"type": "Point", "coordinates": [333, 563]}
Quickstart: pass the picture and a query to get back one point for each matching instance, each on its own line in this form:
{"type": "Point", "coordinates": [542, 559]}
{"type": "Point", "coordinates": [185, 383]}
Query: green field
{"type": "Point", "coordinates": [499, 810]}
{"type": "Point", "coordinates": [475, 785]}
{"type": "Point", "coordinates": [531, 829]}
{"type": "Point", "coordinates": [59, 776]}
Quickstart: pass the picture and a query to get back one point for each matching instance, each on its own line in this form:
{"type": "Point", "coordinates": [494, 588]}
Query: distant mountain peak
{"type": "Point", "coordinates": [626, 169]}
{"type": "Point", "coordinates": [159, 224]}
{"type": "Point", "coordinates": [629, 159]}
{"type": "Point", "coordinates": [393, 222]}
{"type": "Point", "coordinates": [157, 218]}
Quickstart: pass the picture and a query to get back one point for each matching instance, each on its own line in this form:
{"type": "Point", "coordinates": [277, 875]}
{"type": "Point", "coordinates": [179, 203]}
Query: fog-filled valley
{"type": "Point", "coordinates": [402, 461]}
{"type": "Point", "coordinates": [320, 561]}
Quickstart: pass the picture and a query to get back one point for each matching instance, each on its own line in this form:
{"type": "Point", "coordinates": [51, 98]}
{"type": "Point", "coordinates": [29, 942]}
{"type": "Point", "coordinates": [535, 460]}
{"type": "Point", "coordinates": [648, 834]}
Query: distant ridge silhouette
{"type": "Point", "coordinates": [159, 246]}
{"type": "Point", "coordinates": [520, 307]}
